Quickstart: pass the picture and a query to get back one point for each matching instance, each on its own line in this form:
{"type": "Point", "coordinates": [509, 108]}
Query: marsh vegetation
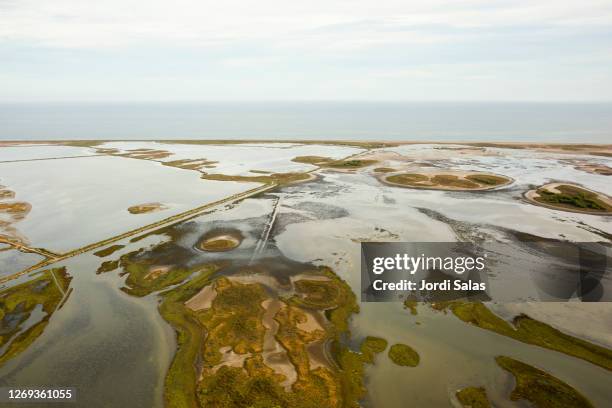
{"type": "Point", "coordinates": [404, 355]}
{"type": "Point", "coordinates": [527, 330]}
{"type": "Point", "coordinates": [473, 397]}
{"type": "Point", "coordinates": [541, 389]}
{"type": "Point", "coordinates": [25, 310]}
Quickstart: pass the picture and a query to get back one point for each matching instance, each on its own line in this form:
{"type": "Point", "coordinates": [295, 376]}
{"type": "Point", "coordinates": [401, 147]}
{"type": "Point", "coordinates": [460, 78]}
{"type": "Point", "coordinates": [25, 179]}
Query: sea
{"type": "Point", "coordinates": [382, 121]}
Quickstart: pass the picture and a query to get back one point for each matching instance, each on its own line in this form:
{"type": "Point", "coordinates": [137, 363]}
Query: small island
{"type": "Point", "coordinates": [220, 241]}
{"type": "Point", "coordinates": [570, 197]}
{"type": "Point", "coordinates": [448, 180]}
{"type": "Point", "coordinates": [146, 208]}
{"type": "Point", "coordinates": [474, 397]}
{"type": "Point", "coordinates": [346, 164]}
{"type": "Point", "coordinates": [404, 355]}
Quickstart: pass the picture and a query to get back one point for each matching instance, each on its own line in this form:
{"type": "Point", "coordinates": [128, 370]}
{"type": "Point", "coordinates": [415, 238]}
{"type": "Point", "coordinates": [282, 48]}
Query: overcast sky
{"type": "Point", "coordinates": [133, 50]}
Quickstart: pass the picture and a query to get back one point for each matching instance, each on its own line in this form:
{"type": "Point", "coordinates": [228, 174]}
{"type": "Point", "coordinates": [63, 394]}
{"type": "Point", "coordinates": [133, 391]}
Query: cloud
{"type": "Point", "coordinates": [333, 24]}
{"type": "Point", "coordinates": [329, 49]}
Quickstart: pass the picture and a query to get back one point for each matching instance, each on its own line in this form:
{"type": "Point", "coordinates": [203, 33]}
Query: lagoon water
{"type": "Point", "coordinates": [443, 121]}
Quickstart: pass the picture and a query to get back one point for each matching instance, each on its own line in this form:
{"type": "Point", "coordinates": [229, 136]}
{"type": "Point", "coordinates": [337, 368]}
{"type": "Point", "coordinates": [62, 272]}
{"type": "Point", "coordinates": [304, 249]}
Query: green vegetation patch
{"type": "Point", "coordinates": [329, 162]}
{"type": "Point", "coordinates": [108, 251]}
{"type": "Point", "coordinates": [145, 277]}
{"type": "Point", "coordinates": [473, 397]}
{"type": "Point", "coordinates": [335, 297]}
{"type": "Point", "coordinates": [17, 304]}
{"type": "Point", "coordinates": [449, 180]}
{"type": "Point", "coordinates": [234, 320]}
{"type": "Point", "coordinates": [182, 376]}
{"type": "Point", "coordinates": [317, 294]}
{"type": "Point", "coordinates": [409, 179]}
{"type": "Point", "coordinates": [468, 182]}
{"type": "Point", "coordinates": [572, 197]}
{"type": "Point", "coordinates": [315, 160]}
{"type": "Point", "coordinates": [108, 266]}
{"type": "Point", "coordinates": [350, 163]}
{"type": "Point", "coordinates": [487, 179]}
{"type": "Point", "coordinates": [145, 154]}
{"type": "Point", "coordinates": [255, 385]}
{"type": "Point", "coordinates": [278, 178]}
{"type": "Point", "coordinates": [198, 375]}
{"type": "Point", "coordinates": [372, 346]}
{"type": "Point", "coordinates": [404, 355]}
{"type": "Point", "coordinates": [190, 164]}
{"type": "Point", "coordinates": [530, 331]}
{"type": "Point", "coordinates": [412, 305]}
{"type": "Point", "coordinates": [540, 388]}
{"type": "Point", "coordinates": [384, 170]}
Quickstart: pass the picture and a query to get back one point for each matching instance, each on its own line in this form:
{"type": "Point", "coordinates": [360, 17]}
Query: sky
{"type": "Point", "coordinates": [363, 50]}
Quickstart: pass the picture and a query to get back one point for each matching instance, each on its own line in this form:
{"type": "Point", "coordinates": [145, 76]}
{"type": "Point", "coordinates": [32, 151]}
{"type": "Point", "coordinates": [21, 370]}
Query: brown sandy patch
{"type": "Point", "coordinates": [17, 209]}
{"type": "Point", "coordinates": [274, 355]}
{"type": "Point", "coordinates": [593, 168]}
{"type": "Point", "coordinates": [230, 359]}
{"type": "Point", "coordinates": [317, 355]}
{"type": "Point", "coordinates": [156, 271]}
{"type": "Point", "coordinates": [203, 299]}
{"type": "Point", "coordinates": [311, 324]}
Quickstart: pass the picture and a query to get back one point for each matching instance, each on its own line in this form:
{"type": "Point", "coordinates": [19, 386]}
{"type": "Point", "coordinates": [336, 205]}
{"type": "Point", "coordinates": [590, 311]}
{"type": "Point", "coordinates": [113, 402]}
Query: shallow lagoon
{"type": "Point", "coordinates": [80, 201]}
{"type": "Point", "coordinates": [13, 260]}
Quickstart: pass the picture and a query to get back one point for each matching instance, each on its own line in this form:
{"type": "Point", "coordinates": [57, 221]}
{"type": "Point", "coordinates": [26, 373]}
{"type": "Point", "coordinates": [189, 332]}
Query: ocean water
{"type": "Point", "coordinates": [537, 122]}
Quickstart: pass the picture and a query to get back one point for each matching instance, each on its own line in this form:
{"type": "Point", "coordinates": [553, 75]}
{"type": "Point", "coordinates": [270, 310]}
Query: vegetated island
{"type": "Point", "coordinates": [146, 208]}
{"type": "Point", "coordinates": [473, 397]}
{"type": "Point", "coordinates": [220, 241]}
{"type": "Point", "coordinates": [570, 197]}
{"type": "Point", "coordinates": [447, 180]}
{"type": "Point", "coordinates": [277, 178]}
{"type": "Point", "coordinates": [528, 330]}
{"type": "Point", "coordinates": [540, 388]}
{"type": "Point", "coordinates": [532, 384]}
{"type": "Point", "coordinates": [345, 164]}
{"type": "Point", "coordinates": [404, 355]}
{"type": "Point", "coordinates": [593, 168]}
